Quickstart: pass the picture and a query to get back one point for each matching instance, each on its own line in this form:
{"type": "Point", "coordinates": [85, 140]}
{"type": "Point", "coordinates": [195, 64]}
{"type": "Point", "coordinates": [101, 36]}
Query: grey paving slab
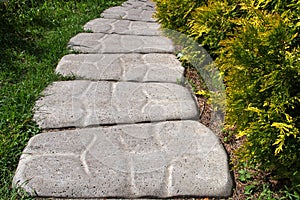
{"type": "Point", "coordinates": [127, 27]}
{"type": "Point", "coordinates": [182, 158]}
{"type": "Point", "coordinates": [129, 13]}
{"type": "Point", "coordinates": [114, 43]}
{"type": "Point", "coordinates": [123, 67]}
{"type": "Point", "coordinates": [140, 4]}
{"type": "Point", "coordinates": [84, 103]}
{"type": "Point", "coordinates": [133, 136]}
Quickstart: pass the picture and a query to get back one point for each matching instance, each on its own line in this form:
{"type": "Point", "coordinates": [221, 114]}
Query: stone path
{"type": "Point", "coordinates": [126, 127]}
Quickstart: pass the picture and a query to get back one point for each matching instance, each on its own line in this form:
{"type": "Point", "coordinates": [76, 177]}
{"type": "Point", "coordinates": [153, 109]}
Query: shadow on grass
{"type": "Point", "coordinates": [18, 34]}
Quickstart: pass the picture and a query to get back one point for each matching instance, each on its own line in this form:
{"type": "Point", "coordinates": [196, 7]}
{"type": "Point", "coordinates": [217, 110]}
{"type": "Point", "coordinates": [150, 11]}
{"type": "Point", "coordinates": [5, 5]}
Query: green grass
{"type": "Point", "coordinates": [33, 38]}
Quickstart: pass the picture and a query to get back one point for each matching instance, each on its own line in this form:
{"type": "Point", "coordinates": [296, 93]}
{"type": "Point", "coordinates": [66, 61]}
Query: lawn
{"type": "Point", "coordinates": [33, 38]}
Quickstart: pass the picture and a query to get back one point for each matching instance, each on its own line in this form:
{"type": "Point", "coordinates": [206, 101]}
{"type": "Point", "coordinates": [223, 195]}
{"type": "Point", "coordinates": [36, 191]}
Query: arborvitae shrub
{"type": "Point", "coordinates": [256, 46]}
{"type": "Point", "coordinates": [175, 14]}
{"type": "Point", "coordinates": [263, 95]}
{"type": "Point", "coordinates": [212, 22]}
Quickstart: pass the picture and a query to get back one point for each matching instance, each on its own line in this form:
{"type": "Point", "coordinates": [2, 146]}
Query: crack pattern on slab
{"type": "Point", "coordinates": [141, 4]}
{"type": "Point", "coordinates": [85, 103]}
{"type": "Point", "coordinates": [136, 133]}
{"type": "Point", "coordinates": [125, 27]}
{"type": "Point", "coordinates": [131, 164]}
{"type": "Point", "coordinates": [123, 67]}
{"type": "Point", "coordinates": [129, 13]}
{"type": "Point", "coordinates": [114, 43]}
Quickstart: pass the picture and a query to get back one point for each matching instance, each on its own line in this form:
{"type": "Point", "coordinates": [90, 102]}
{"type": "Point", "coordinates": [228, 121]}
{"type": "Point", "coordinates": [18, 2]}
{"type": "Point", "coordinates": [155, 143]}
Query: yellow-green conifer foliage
{"type": "Point", "coordinates": [255, 44]}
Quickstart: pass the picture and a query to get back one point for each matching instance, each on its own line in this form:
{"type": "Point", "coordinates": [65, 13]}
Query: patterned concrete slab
{"type": "Point", "coordinates": [143, 4]}
{"type": "Point", "coordinates": [123, 67]}
{"type": "Point", "coordinates": [114, 43]}
{"type": "Point", "coordinates": [165, 159]}
{"type": "Point", "coordinates": [133, 134]}
{"type": "Point", "coordinates": [86, 103]}
{"type": "Point", "coordinates": [125, 27]}
{"type": "Point", "coordinates": [129, 13]}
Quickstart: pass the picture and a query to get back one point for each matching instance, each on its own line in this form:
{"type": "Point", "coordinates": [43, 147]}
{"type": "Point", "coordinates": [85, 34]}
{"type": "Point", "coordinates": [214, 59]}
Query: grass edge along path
{"type": "Point", "coordinates": [33, 38]}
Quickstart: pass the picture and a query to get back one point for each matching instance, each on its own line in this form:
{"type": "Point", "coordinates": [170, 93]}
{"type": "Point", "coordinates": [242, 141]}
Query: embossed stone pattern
{"type": "Point", "coordinates": [156, 160]}
{"type": "Point", "coordinates": [85, 103]}
{"type": "Point", "coordinates": [125, 27]}
{"type": "Point", "coordinates": [122, 67]}
{"type": "Point", "coordinates": [128, 128]}
{"type": "Point", "coordinates": [114, 43]}
{"type": "Point", "coordinates": [140, 4]}
{"type": "Point", "coordinates": [129, 13]}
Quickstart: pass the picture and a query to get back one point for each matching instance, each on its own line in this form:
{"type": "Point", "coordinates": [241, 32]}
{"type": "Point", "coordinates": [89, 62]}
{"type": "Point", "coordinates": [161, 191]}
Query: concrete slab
{"type": "Point", "coordinates": [182, 158]}
{"type": "Point", "coordinates": [132, 136]}
{"type": "Point", "coordinates": [125, 27]}
{"type": "Point", "coordinates": [122, 67]}
{"type": "Point", "coordinates": [129, 13]}
{"type": "Point", "coordinates": [114, 43]}
{"type": "Point", "coordinates": [86, 103]}
{"type": "Point", "coordinates": [140, 4]}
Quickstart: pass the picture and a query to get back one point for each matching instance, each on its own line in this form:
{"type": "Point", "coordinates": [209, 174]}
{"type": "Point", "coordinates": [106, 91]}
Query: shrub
{"type": "Point", "coordinates": [175, 14]}
{"type": "Point", "coordinates": [263, 98]}
{"type": "Point", "coordinates": [256, 46]}
{"type": "Point", "coordinates": [213, 22]}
